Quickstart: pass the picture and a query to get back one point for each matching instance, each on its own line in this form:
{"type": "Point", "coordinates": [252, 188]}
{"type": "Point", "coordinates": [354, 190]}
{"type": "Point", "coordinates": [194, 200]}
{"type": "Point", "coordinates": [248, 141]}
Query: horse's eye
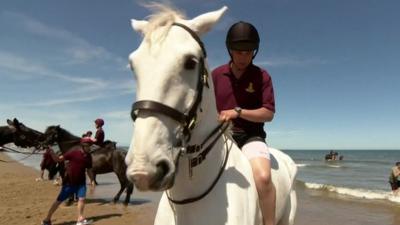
{"type": "Point", "coordinates": [190, 62]}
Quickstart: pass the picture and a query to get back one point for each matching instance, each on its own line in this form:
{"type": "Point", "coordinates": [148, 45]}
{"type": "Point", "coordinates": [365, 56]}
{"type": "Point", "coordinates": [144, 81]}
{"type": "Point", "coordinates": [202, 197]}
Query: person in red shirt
{"type": "Point", "coordinates": [244, 95]}
{"type": "Point", "coordinates": [74, 181]}
{"type": "Point", "coordinates": [47, 163]}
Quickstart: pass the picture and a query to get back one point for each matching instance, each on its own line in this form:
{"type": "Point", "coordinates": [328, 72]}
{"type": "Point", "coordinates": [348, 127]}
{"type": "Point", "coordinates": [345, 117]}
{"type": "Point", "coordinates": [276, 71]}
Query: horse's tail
{"type": "Point", "coordinates": [289, 164]}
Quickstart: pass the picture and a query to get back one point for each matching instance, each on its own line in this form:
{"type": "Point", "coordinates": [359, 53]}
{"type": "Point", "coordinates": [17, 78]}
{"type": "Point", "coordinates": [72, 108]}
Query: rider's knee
{"type": "Point", "coordinates": [263, 178]}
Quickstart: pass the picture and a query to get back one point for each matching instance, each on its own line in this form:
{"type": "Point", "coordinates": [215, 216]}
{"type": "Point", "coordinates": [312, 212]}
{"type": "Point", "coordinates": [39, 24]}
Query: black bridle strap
{"type": "Point", "coordinates": [194, 35]}
{"type": "Point", "coordinates": [187, 119]}
{"type": "Point", "coordinates": [196, 148]}
{"type": "Point", "coordinates": [158, 107]}
{"type": "Point", "coordinates": [194, 199]}
{"type": "Point", "coordinates": [202, 156]}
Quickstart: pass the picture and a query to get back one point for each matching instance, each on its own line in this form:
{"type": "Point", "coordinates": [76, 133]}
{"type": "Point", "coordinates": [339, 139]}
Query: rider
{"type": "Point", "coordinates": [74, 180]}
{"type": "Point", "coordinates": [99, 136]}
{"type": "Point", "coordinates": [244, 94]}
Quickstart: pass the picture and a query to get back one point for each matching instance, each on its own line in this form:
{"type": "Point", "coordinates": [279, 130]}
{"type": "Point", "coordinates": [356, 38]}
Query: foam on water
{"type": "Point", "coordinates": [356, 192]}
{"type": "Point", "coordinates": [302, 165]}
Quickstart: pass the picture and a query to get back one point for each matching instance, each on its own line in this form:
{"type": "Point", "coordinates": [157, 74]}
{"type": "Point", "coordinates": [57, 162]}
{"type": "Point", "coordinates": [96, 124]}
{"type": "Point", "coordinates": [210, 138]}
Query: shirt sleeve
{"type": "Point", "coordinates": [268, 92]}
{"type": "Point", "coordinates": [67, 155]}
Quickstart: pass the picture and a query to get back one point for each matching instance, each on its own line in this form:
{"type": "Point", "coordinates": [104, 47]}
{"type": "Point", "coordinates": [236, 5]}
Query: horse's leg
{"type": "Point", "coordinates": [92, 177]}
{"type": "Point", "coordinates": [123, 186]}
{"type": "Point", "coordinates": [129, 191]}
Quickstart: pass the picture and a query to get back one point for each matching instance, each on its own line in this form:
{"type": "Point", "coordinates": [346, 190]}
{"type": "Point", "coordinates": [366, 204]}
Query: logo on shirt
{"type": "Point", "coordinates": [250, 88]}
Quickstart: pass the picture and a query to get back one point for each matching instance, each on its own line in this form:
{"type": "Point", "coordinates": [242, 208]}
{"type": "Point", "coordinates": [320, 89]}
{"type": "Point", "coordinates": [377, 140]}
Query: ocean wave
{"type": "Point", "coordinates": [356, 192]}
{"type": "Point", "coordinates": [334, 166]}
{"type": "Point", "coordinates": [323, 165]}
{"type": "Point", "coordinates": [302, 164]}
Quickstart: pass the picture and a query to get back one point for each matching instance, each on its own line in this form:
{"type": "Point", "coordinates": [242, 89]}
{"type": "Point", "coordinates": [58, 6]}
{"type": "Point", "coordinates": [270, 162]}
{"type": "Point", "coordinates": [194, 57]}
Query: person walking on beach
{"type": "Point", "coordinates": [245, 96]}
{"type": "Point", "coordinates": [394, 179]}
{"type": "Point", "coordinates": [74, 180]}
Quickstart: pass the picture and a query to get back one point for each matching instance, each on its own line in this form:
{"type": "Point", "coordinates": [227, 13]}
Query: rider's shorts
{"type": "Point", "coordinates": [67, 190]}
{"type": "Point", "coordinates": [255, 149]}
{"type": "Point", "coordinates": [252, 146]}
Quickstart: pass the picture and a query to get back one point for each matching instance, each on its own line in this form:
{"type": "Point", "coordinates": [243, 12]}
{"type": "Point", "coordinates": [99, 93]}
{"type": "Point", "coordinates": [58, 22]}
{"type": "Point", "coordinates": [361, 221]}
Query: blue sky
{"type": "Point", "coordinates": [334, 65]}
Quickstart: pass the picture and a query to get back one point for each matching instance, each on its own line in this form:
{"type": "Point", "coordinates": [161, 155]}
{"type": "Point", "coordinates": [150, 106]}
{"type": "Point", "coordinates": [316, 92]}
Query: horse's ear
{"type": "Point", "coordinates": [58, 127]}
{"type": "Point", "coordinates": [16, 121]}
{"type": "Point", "coordinates": [139, 25]}
{"type": "Point", "coordinates": [11, 125]}
{"type": "Point", "coordinates": [206, 21]}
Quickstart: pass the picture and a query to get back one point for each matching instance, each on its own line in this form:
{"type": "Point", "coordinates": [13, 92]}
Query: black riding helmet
{"type": "Point", "coordinates": [243, 36]}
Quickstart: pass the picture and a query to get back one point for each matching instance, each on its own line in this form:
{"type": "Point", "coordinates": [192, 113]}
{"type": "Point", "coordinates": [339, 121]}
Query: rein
{"type": "Point", "coordinates": [206, 192]}
{"type": "Point", "coordinates": [28, 154]}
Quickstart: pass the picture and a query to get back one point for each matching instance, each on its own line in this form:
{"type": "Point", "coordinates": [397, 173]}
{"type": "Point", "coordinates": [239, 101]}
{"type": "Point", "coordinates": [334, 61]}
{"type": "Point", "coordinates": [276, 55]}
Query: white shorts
{"type": "Point", "coordinates": [255, 149]}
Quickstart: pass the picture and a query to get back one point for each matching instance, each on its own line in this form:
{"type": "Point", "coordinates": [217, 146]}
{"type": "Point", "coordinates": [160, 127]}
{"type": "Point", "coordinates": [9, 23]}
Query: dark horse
{"type": "Point", "coordinates": [19, 134]}
{"type": "Point", "coordinates": [106, 159]}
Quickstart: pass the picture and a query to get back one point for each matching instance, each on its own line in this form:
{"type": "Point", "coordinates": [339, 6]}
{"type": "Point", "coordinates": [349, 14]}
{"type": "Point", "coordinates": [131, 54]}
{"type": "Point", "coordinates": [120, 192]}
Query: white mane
{"type": "Point", "coordinates": [164, 16]}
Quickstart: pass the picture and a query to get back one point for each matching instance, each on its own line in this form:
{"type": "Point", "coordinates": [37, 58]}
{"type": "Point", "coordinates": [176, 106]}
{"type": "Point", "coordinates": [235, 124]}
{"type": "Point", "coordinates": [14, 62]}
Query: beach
{"type": "Point", "coordinates": [25, 201]}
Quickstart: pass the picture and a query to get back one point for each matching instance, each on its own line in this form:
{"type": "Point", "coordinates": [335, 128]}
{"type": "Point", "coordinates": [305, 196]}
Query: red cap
{"type": "Point", "coordinates": [86, 140]}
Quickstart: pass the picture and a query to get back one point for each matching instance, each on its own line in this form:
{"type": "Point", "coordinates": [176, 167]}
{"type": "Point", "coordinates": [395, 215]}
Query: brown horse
{"type": "Point", "coordinates": [19, 134]}
{"type": "Point", "coordinates": [106, 159]}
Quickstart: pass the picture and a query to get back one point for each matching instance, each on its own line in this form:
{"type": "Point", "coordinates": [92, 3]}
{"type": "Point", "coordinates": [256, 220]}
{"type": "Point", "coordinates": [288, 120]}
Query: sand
{"type": "Point", "coordinates": [25, 201]}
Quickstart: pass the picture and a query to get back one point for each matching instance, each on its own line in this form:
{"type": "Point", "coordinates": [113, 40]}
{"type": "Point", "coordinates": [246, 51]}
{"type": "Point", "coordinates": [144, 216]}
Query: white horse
{"type": "Point", "coordinates": [178, 146]}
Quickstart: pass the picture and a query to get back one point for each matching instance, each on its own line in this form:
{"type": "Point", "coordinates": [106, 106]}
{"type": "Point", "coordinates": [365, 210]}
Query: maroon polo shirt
{"type": "Point", "coordinates": [78, 161]}
{"type": "Point", "coordinates": [99, 137]}
{"type": "Point", "coordinates": [253, 90]}
{"type": "Point", "coordinates": [47, 160]}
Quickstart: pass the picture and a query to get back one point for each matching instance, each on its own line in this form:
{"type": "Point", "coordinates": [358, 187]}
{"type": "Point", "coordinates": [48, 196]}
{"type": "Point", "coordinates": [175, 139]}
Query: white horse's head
{"type": "Point", "coordinates": [169, 68]}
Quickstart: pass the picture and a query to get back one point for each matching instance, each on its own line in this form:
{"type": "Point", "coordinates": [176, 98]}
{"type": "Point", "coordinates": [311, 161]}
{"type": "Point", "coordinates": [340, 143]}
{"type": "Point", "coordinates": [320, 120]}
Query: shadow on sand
{"type": "Point", "coordinates": [94, 218]}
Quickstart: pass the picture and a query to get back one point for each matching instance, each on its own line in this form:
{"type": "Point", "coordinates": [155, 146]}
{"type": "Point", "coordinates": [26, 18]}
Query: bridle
{"type": "Point", "coordinates": [187, 121]}
{"type": "Point", "coordinates": [53, 138]}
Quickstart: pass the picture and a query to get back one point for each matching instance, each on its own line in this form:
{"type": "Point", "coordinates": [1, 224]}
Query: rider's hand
{"type": "Point", "coordinates": [226, 115]}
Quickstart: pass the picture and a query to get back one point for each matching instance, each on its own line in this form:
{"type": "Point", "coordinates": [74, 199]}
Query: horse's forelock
{"type": "Point", "coordinates": [164, 17]}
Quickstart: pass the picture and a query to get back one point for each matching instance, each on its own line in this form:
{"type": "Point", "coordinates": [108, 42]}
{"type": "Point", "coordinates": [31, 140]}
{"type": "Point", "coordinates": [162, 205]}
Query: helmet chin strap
{"type": "Point", "coordinates": [255, 53]}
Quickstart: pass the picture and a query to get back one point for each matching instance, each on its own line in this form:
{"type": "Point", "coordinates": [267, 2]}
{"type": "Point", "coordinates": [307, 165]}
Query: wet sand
{"type": "Point", "coordinates": [25, 201]}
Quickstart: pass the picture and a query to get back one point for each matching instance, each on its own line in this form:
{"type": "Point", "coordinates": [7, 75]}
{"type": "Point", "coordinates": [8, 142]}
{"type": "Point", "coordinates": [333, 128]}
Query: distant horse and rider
{"type": "Point", "coordinates": [105, 159]}
{"type": "Point", "coordinates": [178, 146]}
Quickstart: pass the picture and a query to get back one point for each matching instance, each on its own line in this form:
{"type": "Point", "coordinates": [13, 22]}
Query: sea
{"type": "Point", "coordinates": [362, 174]}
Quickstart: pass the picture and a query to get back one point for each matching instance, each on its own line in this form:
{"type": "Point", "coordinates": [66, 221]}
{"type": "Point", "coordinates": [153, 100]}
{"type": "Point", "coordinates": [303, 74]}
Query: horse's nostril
{"type": "Point", "coordinates": [162, 168]}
